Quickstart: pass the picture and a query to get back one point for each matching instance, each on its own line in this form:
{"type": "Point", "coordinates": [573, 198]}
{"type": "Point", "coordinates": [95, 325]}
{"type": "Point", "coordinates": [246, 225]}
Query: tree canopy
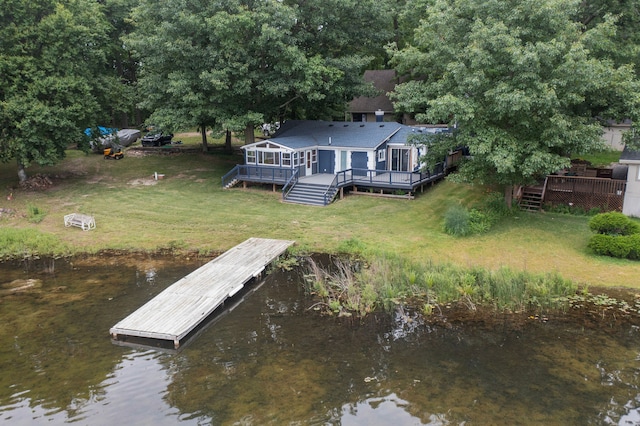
{"type": "Point", "coordinates": [53, 77]}
{"type": "Point", "coordinates": [234, 64]}
{"type": "Point", "coordinates": [521, 80]}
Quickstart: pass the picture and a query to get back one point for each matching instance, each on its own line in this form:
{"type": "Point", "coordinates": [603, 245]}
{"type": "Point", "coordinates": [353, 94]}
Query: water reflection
{"type": "Point", "coordinates": [382, 411]}
{"type": "Point", "coordinates": [272, 361]}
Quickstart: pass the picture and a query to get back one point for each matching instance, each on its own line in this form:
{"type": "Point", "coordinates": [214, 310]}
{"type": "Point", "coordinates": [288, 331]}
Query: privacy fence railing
{"type": "Point", "coordinates": [586, 192]}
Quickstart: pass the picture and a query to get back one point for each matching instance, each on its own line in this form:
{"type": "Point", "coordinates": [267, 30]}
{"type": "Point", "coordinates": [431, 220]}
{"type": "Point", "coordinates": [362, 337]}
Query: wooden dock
{"type": "Point", "coordinates": [179, 309]}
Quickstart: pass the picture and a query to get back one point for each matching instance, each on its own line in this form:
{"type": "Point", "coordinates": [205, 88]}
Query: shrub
{"type": "Point", "coordinates": [621, 246]}
{"type": "Point", "coordinates": [479, 221]}
{"type": "Point", "coordinates": [35, 214]}
{"type": "Point", "coordinates": [460, 221]}
{"type": "Point", "coordinates": [456, 221]}
{"type": "Point", "coordinates": [613, 223]}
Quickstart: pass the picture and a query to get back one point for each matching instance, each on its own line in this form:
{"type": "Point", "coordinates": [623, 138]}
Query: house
{"type": "Point", "coordinates": [612, 134]}
{"type": "Point", "coordinates": [377, 108]}
{"type": "Point", "coordinates": [328, 157]}
{"type": "Point", "coordinates": [631, 206]}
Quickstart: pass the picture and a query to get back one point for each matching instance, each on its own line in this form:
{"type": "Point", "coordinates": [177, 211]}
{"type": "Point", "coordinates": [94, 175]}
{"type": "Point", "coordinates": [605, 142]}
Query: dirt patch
{"type": "Point", "coordinates": [4, 212]}
{"type": "Point", "coordinates": [143, 182]}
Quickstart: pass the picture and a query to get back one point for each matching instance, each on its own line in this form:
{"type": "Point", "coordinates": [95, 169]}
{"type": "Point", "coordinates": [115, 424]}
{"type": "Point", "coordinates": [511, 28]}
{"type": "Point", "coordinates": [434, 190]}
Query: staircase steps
{"type": "Point", "coordinates": [231, 184]}
{"type": "Point", "coordinates": [310, 194]}
{"type": "Point", "coordinates": [531, 199]}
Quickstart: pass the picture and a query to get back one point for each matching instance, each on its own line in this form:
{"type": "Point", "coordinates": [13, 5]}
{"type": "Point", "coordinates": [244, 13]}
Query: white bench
{"type": "Point", "coordinates": [83, 221]}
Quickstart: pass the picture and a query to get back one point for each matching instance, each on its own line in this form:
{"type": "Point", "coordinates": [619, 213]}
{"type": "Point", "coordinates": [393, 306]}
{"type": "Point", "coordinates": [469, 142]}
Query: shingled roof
{"type": "Point", "coordinates": [383, 80]}
{"type": "Point", "coordinates": [297, 134]}
{"type": "Point", "coordinates": [629, 156]}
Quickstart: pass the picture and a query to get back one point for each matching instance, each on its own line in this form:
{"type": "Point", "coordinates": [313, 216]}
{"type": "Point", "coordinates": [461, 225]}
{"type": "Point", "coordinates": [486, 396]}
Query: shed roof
{"type": "Point", "coordinates": [629, 156]}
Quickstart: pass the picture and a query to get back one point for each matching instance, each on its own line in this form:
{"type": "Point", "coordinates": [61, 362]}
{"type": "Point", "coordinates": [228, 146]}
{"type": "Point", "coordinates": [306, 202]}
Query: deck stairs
{"type": "Point", "coordinates": [531, 199]}
{"type": "Point", "coordinates": [311, 194]}
{"type": "Point", "coordinates": [231, 183]}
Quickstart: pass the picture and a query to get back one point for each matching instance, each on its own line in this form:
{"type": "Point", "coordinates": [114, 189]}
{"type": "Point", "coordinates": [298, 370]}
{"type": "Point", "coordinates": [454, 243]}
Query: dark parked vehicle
{"type": "Point", "coordinates": [156, 138]}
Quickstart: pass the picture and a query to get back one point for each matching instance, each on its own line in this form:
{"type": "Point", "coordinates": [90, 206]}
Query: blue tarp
{"type": "Point", "coordinates": [103, 131]}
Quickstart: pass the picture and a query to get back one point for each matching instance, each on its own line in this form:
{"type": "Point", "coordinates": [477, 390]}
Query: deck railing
{"type": "Point", "coordinates": [407, 180]}
{"type": "Point", "coordinates": [331, 189]}
{"type": "Point", "coordinates": [288, 186]}
{"type": "Point", "coordinates": [289, 177]}
{"type": "Point", "coordinates": [252, 173]}
{"type": "Point", "coordinates": [587, 192]}
{"type": "Point", "coordinates": [230, 176]}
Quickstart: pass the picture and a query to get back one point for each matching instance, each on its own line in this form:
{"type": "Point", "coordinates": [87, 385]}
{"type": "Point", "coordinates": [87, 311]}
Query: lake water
{"type": "Point", "coordinates": [271, 361]}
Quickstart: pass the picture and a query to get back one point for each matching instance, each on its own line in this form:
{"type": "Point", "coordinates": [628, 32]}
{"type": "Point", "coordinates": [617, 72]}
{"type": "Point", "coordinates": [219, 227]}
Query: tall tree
{"type": "Point", "coordinates": [120, 67]}
{"type": "Point", "coordinates": [51, 54]}
{"type": "Point", "coordinates": [234, 64]}
{"type": "Point", "coordinates": [519, 79]}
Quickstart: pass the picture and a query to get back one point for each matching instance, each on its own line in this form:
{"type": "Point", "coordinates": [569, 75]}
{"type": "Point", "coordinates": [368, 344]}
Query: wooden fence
{"type": "Point", "coordinates": [586, 192]}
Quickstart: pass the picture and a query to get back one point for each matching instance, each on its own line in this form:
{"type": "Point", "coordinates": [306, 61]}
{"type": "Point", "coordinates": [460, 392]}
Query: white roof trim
{"type": "Point", "coordinates": [269, 141]}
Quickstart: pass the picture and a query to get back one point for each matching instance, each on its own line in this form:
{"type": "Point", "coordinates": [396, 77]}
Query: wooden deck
{"type": "Point", "coordinates": [179, 309]}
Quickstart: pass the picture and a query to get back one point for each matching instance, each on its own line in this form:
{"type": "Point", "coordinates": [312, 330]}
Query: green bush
{"type": "Point", "coordinates": [613, 223]}
{"type": "Point", "coordinates": [479, 221]}
{"type": "Point", "coordinates": [457, 221]}
{"type": "Point", "coordinates": [620, 246]}
{"type": "Point", "coordinates": [634, 243]}
{"type": "Point", "coordinates": [35, 214]}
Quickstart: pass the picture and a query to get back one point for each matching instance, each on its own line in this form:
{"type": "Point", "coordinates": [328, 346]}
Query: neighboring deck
{"type": "Point", "coordinates": [179, 309]}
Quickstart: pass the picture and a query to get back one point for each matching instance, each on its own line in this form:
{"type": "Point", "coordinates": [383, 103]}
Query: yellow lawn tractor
{"type": "Point", "coordinates": [113, 153]}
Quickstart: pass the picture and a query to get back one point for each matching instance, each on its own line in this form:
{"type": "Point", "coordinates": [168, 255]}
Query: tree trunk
{"type": "Point", "coordinates": [249, 136]}
{"type": "Point", "coordinates": [203, 132]}
{"type": "Point", "coordinates": [227, 142]}
{"type": "Point", "coordinates": [22, 173]}
{"type": "Point", "coordinates": [508, 195]}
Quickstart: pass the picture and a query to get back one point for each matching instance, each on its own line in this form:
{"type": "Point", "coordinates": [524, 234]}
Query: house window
{"type": "Point", "coordinates": [269, 158]}
{"type": "Point", "coordinates": [251, 157]}
{"type": "Point", "coordinates": [295, 159]}
{"type": "Point", "coordinates": [382, 155]}
{"type": "Point", "coordinates": [314, 156]}
{"type": "Point", "coordinates": [286, 159]}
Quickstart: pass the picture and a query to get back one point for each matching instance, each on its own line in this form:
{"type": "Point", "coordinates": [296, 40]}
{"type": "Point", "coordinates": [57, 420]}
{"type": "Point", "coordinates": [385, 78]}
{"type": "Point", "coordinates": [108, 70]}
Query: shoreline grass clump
{"type": "Point", "coordinates": [28, 243]}
{"type": "Point", "coordinates": [358, 287]}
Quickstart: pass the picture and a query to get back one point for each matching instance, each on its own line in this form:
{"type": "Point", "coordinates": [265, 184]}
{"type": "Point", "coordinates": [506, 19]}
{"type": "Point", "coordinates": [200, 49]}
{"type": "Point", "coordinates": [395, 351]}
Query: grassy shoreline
{"type": "Point", "coordinates": [188, 211]}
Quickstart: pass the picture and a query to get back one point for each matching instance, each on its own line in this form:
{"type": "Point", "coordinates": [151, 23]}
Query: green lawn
{"type": "Point", "coordinates": [188, 209]}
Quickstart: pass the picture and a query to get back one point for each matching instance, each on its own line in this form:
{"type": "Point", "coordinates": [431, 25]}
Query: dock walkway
{"type": "Point", "coordinates": [180, 308]}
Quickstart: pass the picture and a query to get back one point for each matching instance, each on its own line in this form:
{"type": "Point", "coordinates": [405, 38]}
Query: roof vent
{"type": "Point", "coordinates": [362, 125]}
{"type": "Point", "coordinates": [346, 125]}
{"type": "Point", "coordinates": [382, 125]}
{"type": "Point", "coordinates": [330, 125]}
